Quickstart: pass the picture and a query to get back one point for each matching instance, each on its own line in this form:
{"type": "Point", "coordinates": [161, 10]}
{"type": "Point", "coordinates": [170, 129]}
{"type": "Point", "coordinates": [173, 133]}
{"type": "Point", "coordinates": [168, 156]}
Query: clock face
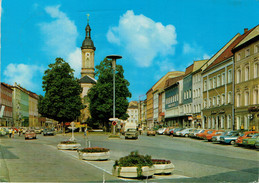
{"type": "Point", "coordinates": [87, 54]}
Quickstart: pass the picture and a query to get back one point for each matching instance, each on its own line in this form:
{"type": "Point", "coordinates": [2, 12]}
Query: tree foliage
{"type": "Point", "coordinates": [100, 96]}
{"type": "Point", "coordinates": [62, 100]}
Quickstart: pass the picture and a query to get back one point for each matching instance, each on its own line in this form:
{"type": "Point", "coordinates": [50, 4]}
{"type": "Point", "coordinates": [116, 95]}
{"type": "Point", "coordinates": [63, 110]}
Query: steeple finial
{"type": "Point", "coordinates": [87, 18]}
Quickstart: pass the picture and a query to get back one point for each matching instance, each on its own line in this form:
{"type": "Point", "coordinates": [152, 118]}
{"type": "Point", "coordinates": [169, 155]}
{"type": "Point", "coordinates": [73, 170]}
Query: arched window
{"type": "Point", "coordinates": [256, 70]}
{"type": "Point", "coordinates": [238, 100]}
{"type": "Point", "coordinates": [246, 73]}
{"type": "Point", "coordinates": [256, 96]}
{"type": "Point", "coordinates": [209, 122]}
{"type": "Point", "coordinates": [246, 98]}
{"type": "Point", "coordinates": [229, 97]}
{"type": "Point", "coordinates": [228, 121]}
{"type": "Point", "coordinates": [223, 99]}
{"type": "Point", "coordinates": [214, 101]}
{"type": "Point", "coordinates": [238, 75]}
{"type": "Point", "coordinates": [222, 120]}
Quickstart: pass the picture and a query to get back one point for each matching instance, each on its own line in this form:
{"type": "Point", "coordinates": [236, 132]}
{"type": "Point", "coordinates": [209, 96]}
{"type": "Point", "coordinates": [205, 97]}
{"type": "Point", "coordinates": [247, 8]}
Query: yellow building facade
{"type": "Point", "coordinates": [246, 55]}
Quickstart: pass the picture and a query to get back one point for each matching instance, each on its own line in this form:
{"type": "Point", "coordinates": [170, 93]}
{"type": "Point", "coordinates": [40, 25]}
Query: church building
{"type": "Point", "coordinates": [87, 71]}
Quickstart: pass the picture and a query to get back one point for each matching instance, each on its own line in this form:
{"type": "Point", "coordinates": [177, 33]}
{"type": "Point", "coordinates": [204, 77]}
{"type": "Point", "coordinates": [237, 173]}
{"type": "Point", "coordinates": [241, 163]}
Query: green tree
{"type": "Point", "coordinates": [62, 100]}
{"type": "Point", "coordinates": [100, 96]}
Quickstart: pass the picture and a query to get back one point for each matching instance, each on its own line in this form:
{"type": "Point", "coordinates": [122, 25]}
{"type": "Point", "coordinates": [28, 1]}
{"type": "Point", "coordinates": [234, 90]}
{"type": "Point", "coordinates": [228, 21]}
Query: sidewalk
{"type": "Point", "coordinates": [4, 173]}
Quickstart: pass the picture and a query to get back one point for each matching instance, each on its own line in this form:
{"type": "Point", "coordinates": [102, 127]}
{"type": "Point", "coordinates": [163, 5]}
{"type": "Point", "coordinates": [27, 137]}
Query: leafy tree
{"type": "Point", "coordinates": [62, 100]}
{"type": "Point", "coordinates": [100, 96]}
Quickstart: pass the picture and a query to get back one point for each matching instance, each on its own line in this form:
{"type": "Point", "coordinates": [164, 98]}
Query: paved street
{"type": "Point", "coordinates": [195, 160]}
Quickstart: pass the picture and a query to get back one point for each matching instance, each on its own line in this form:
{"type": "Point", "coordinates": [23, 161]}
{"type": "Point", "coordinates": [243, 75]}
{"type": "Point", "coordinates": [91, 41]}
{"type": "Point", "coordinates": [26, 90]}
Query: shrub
{"type": "Point", "coordinates": [68, 142]}
{"type": "Point", "coordinates": [160, 161]}
{"type": "Point", "coordinates": [134, 159]}
{"type": "Point", "coordinates": [94, 149]}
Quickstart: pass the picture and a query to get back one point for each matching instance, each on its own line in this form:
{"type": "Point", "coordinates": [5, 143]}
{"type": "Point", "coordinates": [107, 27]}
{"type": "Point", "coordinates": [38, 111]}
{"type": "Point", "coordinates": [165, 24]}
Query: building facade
{"type": "Point", "coordinates": [87, 79]}
{"type": "Point", "coordinates": [6, 105]}
{"type": "Point", "coordinates": [33, 110]}
{"type": "Point", "coordinates": [246, 55]}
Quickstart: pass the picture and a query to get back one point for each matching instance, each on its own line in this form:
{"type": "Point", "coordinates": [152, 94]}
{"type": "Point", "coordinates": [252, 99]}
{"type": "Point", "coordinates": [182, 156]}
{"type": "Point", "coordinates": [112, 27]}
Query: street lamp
{"type": "Point", "coordinates": [114, 58]}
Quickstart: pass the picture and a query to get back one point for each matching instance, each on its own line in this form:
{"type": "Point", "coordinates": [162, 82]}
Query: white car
{"type": "Point", "coordinates": [160, 131]}
{"type": "Point", "coordinates": [185, 132]}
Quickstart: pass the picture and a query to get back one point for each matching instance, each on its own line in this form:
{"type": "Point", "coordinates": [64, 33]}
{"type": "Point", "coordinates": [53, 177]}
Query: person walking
{"type": "Point", "coordinates": [13, 133]}
{"type": "Point", "coordinates": [10, 132]}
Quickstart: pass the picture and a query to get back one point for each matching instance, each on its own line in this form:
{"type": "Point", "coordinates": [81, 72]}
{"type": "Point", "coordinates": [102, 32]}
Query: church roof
{"type": "Point", "coordinates": [87, 79]}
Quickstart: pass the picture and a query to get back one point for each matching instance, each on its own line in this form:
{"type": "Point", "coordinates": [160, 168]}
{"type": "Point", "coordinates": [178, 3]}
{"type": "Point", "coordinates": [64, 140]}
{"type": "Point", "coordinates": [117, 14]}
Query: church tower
{"type": "Point", "coordinates": [87, 51]}
{"type": "Point", "coordinates": [87, 79]}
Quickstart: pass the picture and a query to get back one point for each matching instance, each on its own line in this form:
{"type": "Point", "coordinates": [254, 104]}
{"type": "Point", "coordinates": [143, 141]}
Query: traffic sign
{"type": "Point", "coordinates": [114, 123]}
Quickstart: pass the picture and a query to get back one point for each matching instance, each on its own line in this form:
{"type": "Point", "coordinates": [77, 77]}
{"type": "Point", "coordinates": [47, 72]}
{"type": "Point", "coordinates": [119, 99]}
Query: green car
{"type": "Point", "coordinates": [251, 142]}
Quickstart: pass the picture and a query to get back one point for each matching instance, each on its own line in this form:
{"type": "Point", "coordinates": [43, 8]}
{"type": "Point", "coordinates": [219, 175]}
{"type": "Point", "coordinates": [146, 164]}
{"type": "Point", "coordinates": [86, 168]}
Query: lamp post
{"type": "Point", "coordinates": [114, 58]}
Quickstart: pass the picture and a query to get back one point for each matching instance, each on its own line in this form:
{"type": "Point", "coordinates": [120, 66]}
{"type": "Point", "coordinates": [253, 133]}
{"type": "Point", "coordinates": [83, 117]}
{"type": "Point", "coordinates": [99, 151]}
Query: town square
{"type": "Point", "coordinates": [129, 91]}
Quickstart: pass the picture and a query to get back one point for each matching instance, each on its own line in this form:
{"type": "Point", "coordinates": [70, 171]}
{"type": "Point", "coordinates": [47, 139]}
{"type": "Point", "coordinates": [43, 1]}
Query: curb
{"type": "Point", "coordinates": [4, 173]}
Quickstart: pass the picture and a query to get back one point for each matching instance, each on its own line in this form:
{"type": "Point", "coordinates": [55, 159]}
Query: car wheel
{"type": "Point", "coordinates": [232, 142]}
{"type": "Point", "coordinates": [186, 135]}
{"type": "Point", "coordinates": [147, 134]}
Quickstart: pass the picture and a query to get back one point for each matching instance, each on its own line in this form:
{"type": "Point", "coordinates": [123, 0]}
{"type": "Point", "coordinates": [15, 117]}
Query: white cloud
{"type": "Point", "coordinates": [206, 56]}
{"type": "Point", "coordinates": [143, 38]}
{"type": "Point", "coordinates": [60, 37]}
{"type": "Point", "coordinates": [188, 49]}
{"type": "Point", "coordinates": [23, 74]}
{"type": "Point", "coordinates": [196, 51]}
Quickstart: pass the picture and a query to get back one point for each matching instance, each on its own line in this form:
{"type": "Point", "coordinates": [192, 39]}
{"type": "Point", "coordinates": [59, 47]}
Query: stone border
{"type": "Point", "coordinates": [68, 146]}
{"type": "Point", "coordinates": [164, 168]}
{"type": "Point", "coordinates": [95, 156]}
{"type": "Point", "coordinates": [131, 172]}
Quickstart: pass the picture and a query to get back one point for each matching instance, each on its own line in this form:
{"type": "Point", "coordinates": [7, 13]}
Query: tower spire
{"type": "Point", "coordinates": [87, 18]}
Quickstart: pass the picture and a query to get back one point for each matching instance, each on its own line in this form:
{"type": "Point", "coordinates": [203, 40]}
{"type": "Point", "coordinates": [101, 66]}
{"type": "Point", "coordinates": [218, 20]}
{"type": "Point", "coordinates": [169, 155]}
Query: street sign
{"type": "Point", "coordinates": [113, 119]}
{"type": "Point", "coordinates": [114, 123]}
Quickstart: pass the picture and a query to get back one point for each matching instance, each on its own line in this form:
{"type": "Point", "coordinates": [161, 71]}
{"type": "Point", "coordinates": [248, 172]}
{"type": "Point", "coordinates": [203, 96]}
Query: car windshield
{"type": "Point", "coordinates": [255, 135]}
{"type": "Point", "coordinates": [131, 130]}
{"type": "Point", "coordinates": [209, 132]}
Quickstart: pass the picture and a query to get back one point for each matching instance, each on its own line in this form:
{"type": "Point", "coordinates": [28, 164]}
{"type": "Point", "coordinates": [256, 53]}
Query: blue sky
{"type": "Point", "coordinates": [154, 37]}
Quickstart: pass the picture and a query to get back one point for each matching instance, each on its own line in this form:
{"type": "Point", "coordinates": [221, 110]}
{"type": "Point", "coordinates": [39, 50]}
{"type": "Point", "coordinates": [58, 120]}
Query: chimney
{"type": "Point", "coordinates": [245, 30]}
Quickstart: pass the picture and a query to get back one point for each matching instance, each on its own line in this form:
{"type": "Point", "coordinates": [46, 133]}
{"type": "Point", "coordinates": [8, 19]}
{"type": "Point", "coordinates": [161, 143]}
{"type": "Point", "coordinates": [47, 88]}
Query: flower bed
{"type": "Point", "coordinates": [68, 145]}
{"type": "Point", "coordinates": [163, 166]}
{"type": "Point", "coordinates": [134, 166]}
{"type": "Point", "coordinates": [94, 153]}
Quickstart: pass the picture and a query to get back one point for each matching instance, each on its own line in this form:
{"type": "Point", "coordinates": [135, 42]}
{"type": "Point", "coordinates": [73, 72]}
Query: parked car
{"type": "Point", "coordinates": [30, 134]}
{"type": "Point", "coordinates": [151, 132]}
{"type": "Point", "coordinates": [201, 134]}
{"type": "Point", "coordinates": [230, 138]}
{"type": "Point", "coordinates": [185, 132]}
{"type": "Point", "coordinates": [245, 135]}
{"type": "Point", "coordinates": [37, 130]}
{"type": "Point", "coordinates": [160, 131]}
{"type": "Point", "coordinates": [251, 141]}
{"type": "Point", "coordinates": [257, 143]}
{"type": "Point", "coordinates": [131, 133]}
{"type": "Point", "coordinates": [176, 130]}
{"type": "Point", "coordinates": [213, 134]}
{"type": "Point", "coordinates": [193, 134]}
{"type": "Point", "coordinates": [167, 130]}
{"type": "Point", "coordinates": [48, 131]}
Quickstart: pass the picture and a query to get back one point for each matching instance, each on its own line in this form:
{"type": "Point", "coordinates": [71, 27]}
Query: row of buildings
{"type": "Point", "coordinates": [19, 107]}
{"type": "Point", "coordinates": [219, 93]}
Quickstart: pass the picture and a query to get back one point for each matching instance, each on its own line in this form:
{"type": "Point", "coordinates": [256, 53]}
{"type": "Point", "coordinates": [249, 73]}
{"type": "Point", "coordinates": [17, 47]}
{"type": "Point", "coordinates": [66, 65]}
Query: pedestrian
{"type": "Point", "coordinates": [19, 131]}
{"type": "Point", "coordinates": [10, 132]}
{"type": "Point", "coordinates": [13, 133]}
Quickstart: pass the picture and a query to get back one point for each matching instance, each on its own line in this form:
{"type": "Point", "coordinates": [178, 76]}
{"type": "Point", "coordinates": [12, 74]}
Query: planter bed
{"type": "Point", "coordinates": [163, 166]}
{"type": "Point", "coordinates": [94, 153]}
{"type": "Point", "coordinates": [131, 172]}
{"type": "Point", "coordinates": [68, 145]}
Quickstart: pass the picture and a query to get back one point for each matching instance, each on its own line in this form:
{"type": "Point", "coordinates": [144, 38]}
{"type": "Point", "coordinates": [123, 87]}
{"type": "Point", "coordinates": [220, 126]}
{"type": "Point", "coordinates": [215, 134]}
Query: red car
{"type": "Point", "coordinates": [245, 135]}
{"type": "Point", "coordinates": [214, 133]}
{"type": "Point", "coordinates": [200, 135]}
{"type": "Point", "coordinates": [30, 134]}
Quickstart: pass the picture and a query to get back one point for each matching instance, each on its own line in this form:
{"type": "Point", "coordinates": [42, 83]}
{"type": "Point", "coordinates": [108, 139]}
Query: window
{"type": "Point", "coordinates": [223, 78]}
{"type": "Point", "coordinates": [223, 99]}
{"type": "Point", "coordinates": [190, 93]}
{"type": "Point", "coordinates": [218, 101]}
{"type": "Point", "coordinates": [246, 98]}
{"type": "Point", "coordinates": [214, 101]}
{"type": "Point", "coordinates": [247, 52]}
{"type": "Point", "coordinates": [218, 81]}
{"type": "Point", "coordinates": [238, 75]}
{"type": "Point", "coordinates": [222, 120]}
{"type": "Point", "coordinates": [256, 70]}
{"type": "Point", "coordinates": [199, 92]}
{"type": "Point", "coordinates": [238, 56]}
{"type": "Point", "coordinates": [187, 94]}
{"type": "Point", "coordinates": [256, 97]}
{"type": "Point", "coordinates": [246, 73]}
{"type": "Point", "coordinates": [211, 84]}
{"type": "Point", "coordinates": [238, 99]}
{"type": "Point", "coordinates": [214, 82]}
{"type": "Point", "coordinates": [205, 85]}
{"type": "Point", "coordinates": [229, 97]}
{"type": "Point", "coordinates": [256, 50]}
{"type": "Point", "coordinates": [209, 122]}
{"type": "Point", "coordinates": [210, 102]}
{"type": "Point", "coordinates": [229, 76]}
{"type": "Point", "coordinates": [205, 103]}
{"type": "Point", "coordinates": [228, 121]}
